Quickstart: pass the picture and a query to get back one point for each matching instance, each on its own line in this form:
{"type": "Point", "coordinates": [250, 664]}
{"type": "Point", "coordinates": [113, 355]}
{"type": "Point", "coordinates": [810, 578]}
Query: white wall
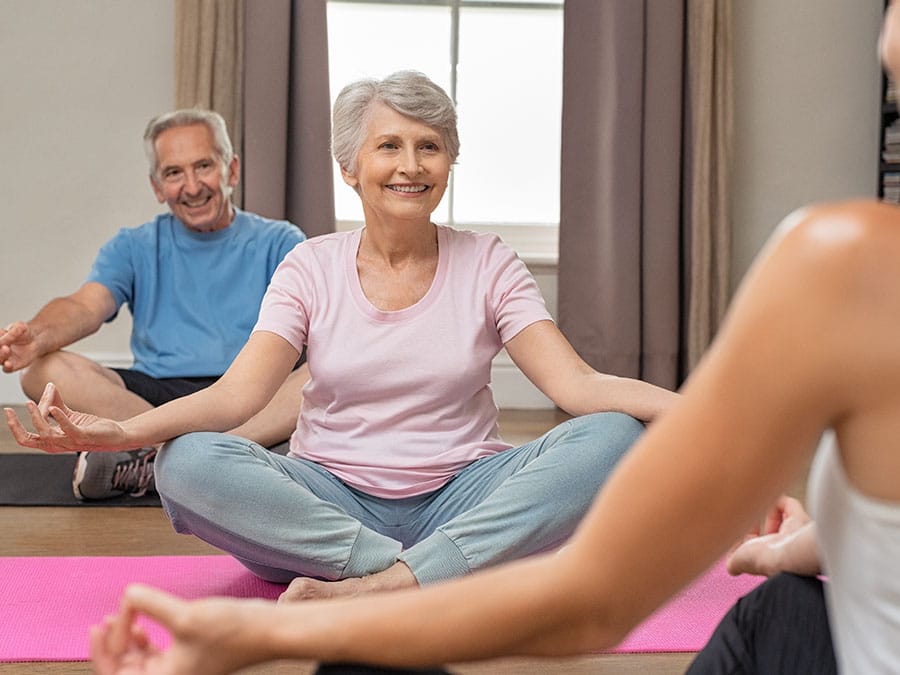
{"type": "Point", "coordinates": [82, 77]}
{"type": "Point", "coordinates": [807, 90]}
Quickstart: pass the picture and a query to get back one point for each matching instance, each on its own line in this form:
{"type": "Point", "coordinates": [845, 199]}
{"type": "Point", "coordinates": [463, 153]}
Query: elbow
{"type": "Point", "coordinates": [602, 628]}
{"type": "Point", "coordinates": [232, 409]}
{"type": "Point", "coordinates": [596, 615]}
{"type": "Point", "coordinates": [588, 631]}
{"type": "Point", "coordinates": [608, 634]}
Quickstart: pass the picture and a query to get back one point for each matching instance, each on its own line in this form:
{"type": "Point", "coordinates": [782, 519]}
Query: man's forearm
{"type": "Point", "coordinates": [61, 322]}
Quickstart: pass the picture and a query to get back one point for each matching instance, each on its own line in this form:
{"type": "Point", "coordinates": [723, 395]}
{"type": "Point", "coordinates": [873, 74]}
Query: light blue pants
{"type": "Point", "coordinates": [284, 517]}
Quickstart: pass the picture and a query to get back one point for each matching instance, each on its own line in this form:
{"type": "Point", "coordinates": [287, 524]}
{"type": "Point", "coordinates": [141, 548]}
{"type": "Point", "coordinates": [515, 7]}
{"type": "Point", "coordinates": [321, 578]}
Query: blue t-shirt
{"type": "Point", "coordinates": [193, 296]}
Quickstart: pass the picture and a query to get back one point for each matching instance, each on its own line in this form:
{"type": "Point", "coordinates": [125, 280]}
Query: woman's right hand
{"type": "Point", "coordinates": [58, 428]}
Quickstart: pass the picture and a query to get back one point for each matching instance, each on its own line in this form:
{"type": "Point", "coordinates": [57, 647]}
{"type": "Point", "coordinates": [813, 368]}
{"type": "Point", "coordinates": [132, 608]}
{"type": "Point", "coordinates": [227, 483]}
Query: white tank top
{"type": "Point", "coordinates": [859, 542]}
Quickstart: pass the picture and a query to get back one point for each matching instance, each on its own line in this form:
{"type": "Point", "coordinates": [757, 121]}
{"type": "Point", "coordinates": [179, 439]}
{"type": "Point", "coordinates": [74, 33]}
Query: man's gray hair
{"type": "Point", "coordinates": [408, 92]}
{"type": "Point", "coordinates": [183, 118]}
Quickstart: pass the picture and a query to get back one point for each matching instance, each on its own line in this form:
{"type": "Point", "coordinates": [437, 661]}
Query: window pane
{"type": "Point", "coordinates": [509, 90]}
{"type": "Point", "coordinates": [374, 41]}
{"type": "Point", "coordinates": [555, 3]}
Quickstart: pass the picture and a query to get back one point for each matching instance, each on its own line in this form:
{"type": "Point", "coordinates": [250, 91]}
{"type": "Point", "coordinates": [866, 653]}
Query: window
{"type": "Point", "coordinates": [501, 61]}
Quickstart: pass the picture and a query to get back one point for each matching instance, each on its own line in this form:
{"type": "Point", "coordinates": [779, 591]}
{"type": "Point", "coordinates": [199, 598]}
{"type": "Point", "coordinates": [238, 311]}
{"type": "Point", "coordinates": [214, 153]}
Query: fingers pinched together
{"type": "Point", "coordinates": [58, 428]}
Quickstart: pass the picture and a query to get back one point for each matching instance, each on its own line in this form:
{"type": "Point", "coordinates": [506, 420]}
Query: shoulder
{"type": "Point", "coordinates": [841, 228]}
{"type": "Point", "coordinates": [848, 246]}
{"type": "Point", "coordinates": [141, 235]}
{"type": "Point", "coordinates": [829, 256]}
{"type": "Point", "coordinates": [324, 248]}
{"type": "Point", "coordinates": [824, 291]}
{"type": "Point", "coordinates": [458, 237]}
{"type": "Point", "coordinates": [162, 221]}
{"type": "Point", "coordinates": [331, 243]}
{"type": "Point", "coordinates": [268, 226]}
{"type": "Point", "coordinates": [484, 247]}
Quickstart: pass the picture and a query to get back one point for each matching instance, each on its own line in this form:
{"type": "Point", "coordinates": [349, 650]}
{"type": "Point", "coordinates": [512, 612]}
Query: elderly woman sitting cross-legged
{"type": "Point", "coordinates": [396, 474]}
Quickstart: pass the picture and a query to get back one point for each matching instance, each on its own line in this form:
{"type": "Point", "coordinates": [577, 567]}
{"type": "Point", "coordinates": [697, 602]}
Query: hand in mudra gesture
{"type": "Point", "coordinates": [58, 428]}
{"type": "Point", "coordinates": [769, 549]}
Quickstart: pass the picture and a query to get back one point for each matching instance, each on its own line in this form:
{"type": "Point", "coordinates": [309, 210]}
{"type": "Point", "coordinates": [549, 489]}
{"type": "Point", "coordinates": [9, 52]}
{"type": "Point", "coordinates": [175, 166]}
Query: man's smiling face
{"type": "Point", "coordinates": [192, 179]}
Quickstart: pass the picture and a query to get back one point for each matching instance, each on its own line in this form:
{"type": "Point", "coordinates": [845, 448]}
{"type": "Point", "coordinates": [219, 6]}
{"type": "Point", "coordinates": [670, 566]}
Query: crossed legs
{"type": "Point", "coordinates": [285, 518]}
{"type": "Point", "coordinates": [780, 627]}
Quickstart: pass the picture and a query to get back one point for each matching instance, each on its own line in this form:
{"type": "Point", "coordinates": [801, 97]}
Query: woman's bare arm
{"type": "Point", "coordinates": [551, 363]}
{"type": "Point", "coordinates": [245, 388]}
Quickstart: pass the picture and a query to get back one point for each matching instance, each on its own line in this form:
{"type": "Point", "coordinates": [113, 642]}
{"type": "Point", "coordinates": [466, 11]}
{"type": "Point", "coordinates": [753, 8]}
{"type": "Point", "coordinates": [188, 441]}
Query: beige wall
{"type": "Point", "coordinates": [81, 78]}
{"type": "Point", "coordinates": [807, 88]}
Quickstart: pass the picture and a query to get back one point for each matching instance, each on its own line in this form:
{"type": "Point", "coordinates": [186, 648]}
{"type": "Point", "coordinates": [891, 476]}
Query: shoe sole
{"type": "Point", "coordinates": [78, 477]}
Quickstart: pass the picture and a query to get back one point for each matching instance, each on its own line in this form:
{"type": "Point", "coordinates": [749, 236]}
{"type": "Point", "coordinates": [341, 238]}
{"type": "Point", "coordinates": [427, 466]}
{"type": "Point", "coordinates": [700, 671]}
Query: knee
{"type": "Point", "coordinates": [784, 605]}
{"type": "Point", "coordinates": [599, 440]}
{"type": "Point", "coordinates": [38, 373]}
{"type": "Point", "coordinates": [616, 429]}
{"type": "Point", "coordinates": [785, 590]}
{"type": "Point", "coordinates": [204, 463]}
{"type": "Point", "coordinates": [60, 367]}
{"type": "Point", "coordinates": [780, 595]}
{"type": "Point", "coordinates": [179, 458]}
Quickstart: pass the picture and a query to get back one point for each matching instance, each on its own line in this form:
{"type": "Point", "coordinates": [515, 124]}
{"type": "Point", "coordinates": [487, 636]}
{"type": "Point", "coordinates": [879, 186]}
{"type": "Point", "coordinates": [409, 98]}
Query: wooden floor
{"type": "Point", "coordinates": [111, 531]}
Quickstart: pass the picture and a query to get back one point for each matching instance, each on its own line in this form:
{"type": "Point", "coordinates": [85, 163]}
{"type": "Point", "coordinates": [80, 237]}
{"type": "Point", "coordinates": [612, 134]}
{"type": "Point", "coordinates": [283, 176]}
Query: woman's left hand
{"type": "Point", "coordinates": [783, 544]}
{"type": "Point", "coordinates": [119, 647]}
{"type": "Point", "coordinates": [211, 636]}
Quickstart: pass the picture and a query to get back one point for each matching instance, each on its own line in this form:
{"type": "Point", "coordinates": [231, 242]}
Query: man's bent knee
{"type": "Point", "coordinates": [61, 366]}
{"type": "Point", "coordinates": [39, 372]}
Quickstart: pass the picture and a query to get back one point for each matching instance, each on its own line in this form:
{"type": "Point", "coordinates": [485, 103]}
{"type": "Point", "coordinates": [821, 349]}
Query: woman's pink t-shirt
{"type": "Point", "coordinates": [400, 401]}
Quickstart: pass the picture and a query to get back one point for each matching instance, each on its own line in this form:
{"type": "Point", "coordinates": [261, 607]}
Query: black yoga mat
{"type": "Point", "coordinates": [46, 480]}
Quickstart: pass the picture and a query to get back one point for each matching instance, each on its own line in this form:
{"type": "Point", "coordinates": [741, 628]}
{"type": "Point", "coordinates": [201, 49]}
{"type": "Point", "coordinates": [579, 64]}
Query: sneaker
{"type": "Point", "coordinates": [101, 475]}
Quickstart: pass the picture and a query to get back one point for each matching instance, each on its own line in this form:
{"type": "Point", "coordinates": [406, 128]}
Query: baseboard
{"type": "Point", "coordinates": [512, 390]}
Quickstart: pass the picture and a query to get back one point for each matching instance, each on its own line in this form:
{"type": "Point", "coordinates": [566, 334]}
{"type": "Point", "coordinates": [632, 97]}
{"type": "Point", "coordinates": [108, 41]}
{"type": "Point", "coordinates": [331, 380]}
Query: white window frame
{"type": "Point", "coordinates": [536, 243]}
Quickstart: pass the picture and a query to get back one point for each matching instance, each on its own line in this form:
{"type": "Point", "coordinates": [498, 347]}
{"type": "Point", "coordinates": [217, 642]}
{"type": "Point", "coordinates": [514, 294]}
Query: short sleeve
{"type": "Point", "coordinates": [513, 293]}
{"type": "Point", "coordinates": [284, 309]}
{"type": "Point", "coordinates": [113, 267]}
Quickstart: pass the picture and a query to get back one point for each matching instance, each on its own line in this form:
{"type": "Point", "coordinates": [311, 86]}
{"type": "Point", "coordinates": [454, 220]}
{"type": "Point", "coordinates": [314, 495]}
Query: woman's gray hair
{"type": "Point", "coordinates": [408, 92]}
{"type": "Point", "coordinates": [183, 118]}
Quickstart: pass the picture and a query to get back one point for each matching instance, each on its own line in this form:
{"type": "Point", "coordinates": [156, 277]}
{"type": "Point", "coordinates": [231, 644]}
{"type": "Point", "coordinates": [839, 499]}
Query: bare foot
{"type": "Point", "coordinates": [395, 577]}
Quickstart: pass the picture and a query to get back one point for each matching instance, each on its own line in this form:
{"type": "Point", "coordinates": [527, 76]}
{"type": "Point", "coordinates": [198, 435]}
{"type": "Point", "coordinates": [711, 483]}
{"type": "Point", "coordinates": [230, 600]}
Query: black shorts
{"type": "Point", "coordinates": [157, 391]}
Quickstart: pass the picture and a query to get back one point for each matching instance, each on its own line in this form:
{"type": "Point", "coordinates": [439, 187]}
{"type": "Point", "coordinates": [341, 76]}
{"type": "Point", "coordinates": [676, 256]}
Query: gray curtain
{"type": "Point", "coordinates": [710, 128]}
{"type": "Point", "coordinates": [209, 61]}
{"type": "Point", "coordinates": [286, 154]}
{"type": "Point", "coordinates": [624, 224]}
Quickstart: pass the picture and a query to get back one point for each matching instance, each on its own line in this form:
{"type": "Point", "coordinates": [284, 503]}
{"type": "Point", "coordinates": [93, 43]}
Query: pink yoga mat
{"type": "Point", "coordinates": [687, 621]}
{"type": "Point", "coordinates": [47, 604]}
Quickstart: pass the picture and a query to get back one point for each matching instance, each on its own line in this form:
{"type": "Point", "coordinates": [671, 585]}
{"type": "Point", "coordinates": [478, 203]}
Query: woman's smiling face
{"type": "Point", "coordinates": [402, 168]}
